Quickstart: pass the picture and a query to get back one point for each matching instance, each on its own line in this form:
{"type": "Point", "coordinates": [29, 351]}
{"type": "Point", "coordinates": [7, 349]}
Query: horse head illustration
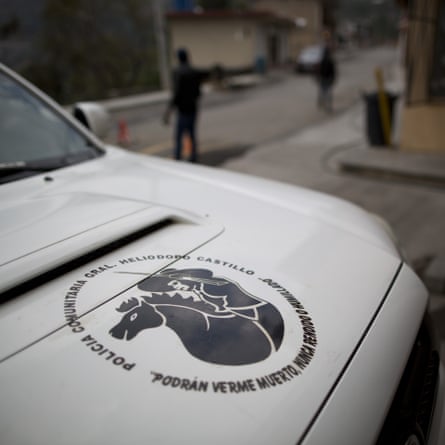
{"type": "Point", "coordinates": [216, 320]}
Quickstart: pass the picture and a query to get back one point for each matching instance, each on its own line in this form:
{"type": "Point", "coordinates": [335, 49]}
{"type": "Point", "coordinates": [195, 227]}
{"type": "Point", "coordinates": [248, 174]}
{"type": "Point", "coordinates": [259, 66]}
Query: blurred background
{"type": "Point", "coordinates": [259, 111]}
{"type": "Point", "coordinates": [84, 50]}
{"type": "Point", "coordinates": [96, 49]}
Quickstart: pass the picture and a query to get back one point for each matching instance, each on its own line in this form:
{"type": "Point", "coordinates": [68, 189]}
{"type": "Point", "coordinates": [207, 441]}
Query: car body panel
{"type": "Point", "coordinates": [226, 308]}
{"type": "Point", "coordinates": [56, 227]}
{"type": "Point", "coordinates": [322, 266]}
{"type": "Point", "coordinates": [20, 315]}
{"type": "Point", "coordinates": [68, 375]}
{"type": "Point", "coordinates": [378, 363]}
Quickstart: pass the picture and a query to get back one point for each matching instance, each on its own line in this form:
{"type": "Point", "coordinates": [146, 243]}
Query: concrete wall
{"type": "Point", "coordinates": [423, 128]}
{"type": "Point", "coordinates": [235, 42]}
{"type": "Point", "coordinates": [231, 43]}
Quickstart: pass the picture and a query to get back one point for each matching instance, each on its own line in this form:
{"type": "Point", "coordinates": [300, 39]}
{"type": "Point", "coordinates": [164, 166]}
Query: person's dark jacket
{"type": "Point", "coordinates": [186, 89]}
{"type": "Point", "coordinates": [327, 69]}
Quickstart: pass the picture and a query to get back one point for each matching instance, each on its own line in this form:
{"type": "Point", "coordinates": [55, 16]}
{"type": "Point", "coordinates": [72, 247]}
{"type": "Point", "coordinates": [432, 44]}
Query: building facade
{"type": "Point", "coordinates": [235, 41]}
{"type": "Point", "coordinates": [423, 117]}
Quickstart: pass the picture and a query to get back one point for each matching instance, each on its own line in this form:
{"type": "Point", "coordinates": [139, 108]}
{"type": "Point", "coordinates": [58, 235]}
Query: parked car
{"type": "Point", "coordinates": [150, 301]}
{"type": "Point", "coordinates": [309, 59]}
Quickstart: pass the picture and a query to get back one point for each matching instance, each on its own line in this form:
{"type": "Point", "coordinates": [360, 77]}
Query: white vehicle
{"type": "Point", "coordinates": [145, 301]}
{"type": "Point", "coordinates": [309, 59]}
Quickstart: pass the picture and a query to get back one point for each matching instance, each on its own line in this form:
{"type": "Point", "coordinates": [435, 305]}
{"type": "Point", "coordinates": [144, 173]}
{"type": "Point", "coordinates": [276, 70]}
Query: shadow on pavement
{"type": "Point", "coordinates": [214, 158]}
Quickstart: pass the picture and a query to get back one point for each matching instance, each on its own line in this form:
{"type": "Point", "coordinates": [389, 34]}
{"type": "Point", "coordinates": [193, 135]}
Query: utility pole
{"type": "Point", "coordinates": [161, 40]}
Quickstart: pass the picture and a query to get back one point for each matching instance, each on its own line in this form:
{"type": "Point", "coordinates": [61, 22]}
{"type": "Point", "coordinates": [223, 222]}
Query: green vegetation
{"type": "Point", "coordinates": [95, 48]}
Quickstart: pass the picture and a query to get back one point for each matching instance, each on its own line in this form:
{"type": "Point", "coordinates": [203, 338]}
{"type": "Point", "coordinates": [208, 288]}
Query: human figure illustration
{"type": "Point", "coordinates": [215, 318]}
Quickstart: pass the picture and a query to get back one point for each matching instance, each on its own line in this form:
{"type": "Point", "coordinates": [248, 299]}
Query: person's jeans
{"type": "Point", "coordinates": [186, 124]}
{"type": "Point", "coordinates": [325, 94]}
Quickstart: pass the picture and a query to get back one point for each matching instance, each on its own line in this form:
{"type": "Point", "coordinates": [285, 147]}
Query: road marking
{"type": "Point", "coordinates": [204, 147]}
{"type": "Point", "coordinates": [156, 148]}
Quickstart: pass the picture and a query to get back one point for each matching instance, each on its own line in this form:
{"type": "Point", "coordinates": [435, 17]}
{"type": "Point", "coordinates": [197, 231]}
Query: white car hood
{"type": "Point", "coordinates": [231, 323]}
{"type": "Point", "coordinates": [41, 233]}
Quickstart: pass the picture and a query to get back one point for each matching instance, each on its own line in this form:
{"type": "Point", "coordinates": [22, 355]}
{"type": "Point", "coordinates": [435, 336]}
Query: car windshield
{"type": "Point", "coordinates": [34, 138]}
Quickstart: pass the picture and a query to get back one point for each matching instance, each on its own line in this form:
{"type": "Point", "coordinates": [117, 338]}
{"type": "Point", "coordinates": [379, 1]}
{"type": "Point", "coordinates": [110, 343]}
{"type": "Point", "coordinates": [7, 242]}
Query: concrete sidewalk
{"type": "Point", "coordinates": [342, 141]}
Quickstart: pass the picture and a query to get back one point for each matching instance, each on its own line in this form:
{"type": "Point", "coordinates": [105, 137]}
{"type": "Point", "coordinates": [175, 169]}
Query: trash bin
{"type": "Point", "coordinates": [374, 129]}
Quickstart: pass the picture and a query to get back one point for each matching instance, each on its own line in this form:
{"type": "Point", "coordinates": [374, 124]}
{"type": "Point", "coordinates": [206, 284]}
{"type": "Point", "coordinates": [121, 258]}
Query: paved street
{"type": "Point", "coordinates": [233, 120]}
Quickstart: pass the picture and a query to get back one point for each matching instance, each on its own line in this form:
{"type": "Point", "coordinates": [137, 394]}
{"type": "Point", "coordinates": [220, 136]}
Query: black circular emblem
{"type": "Point", "coordinates": [216, 320]}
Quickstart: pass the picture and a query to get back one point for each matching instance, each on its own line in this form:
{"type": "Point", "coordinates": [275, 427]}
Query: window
{"type": "Point", "coordinates": [33, 137]}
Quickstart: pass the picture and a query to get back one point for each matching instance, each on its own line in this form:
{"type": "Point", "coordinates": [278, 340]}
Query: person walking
{"type": "Point", "coordinates": [326, 78]}
{"type": "Point", "coordinates": [185, 97]}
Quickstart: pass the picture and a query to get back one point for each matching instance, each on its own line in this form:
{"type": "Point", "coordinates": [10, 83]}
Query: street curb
{"type": "Point", "coordinates": [427, 169]}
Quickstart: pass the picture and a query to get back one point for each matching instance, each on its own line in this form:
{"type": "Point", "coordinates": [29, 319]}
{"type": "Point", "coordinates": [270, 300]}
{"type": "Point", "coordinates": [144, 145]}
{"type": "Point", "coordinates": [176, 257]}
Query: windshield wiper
{"type": "Point", "coordinates": [44, 165]}
{"type": "Point", "coordinates": [17, 167]}
{"type": "Point", "coordinates": [12, 171]}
